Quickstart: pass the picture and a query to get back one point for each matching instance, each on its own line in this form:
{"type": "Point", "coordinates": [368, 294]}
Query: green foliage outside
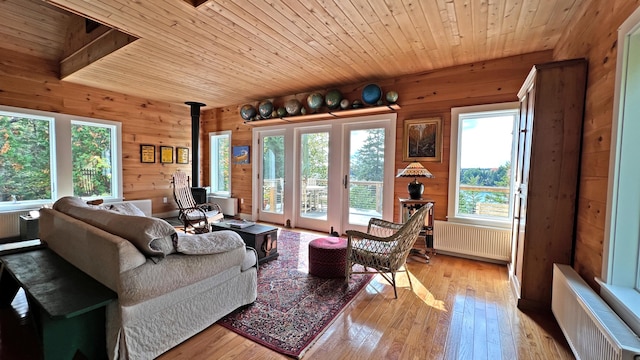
{"type": "Point", "coordinates": [91, 155]}
{"type": "Point", "coordinates": [25, 161]}
{"type": "Point", "coordinates": [224, 166]}
{"type": "Point", "coordinates": [367, 164]}
{"type": "Point", "coordinates": [497, 178]}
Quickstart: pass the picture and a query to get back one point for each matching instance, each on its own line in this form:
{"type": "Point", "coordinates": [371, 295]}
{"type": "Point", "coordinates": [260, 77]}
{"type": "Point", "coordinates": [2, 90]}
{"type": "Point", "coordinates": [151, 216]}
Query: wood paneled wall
{"type": "Point", "coordinates": [593, 35]}
{"type": "Point", "coordinates": [32, 83]}
{"type": "Point", "coordinates": [427, 94]}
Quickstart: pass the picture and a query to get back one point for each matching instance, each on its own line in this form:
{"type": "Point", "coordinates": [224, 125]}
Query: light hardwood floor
{"type": "Point", "coordinates": [458, 309]}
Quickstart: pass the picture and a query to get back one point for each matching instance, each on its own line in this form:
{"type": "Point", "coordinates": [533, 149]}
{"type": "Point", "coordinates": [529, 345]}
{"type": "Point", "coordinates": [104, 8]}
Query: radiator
{"type": "Point", "coordinates": [472, 241]}
{"type": "Point", "coordinates": [229, 205]}
{"type": "Point", "coordinates": [591, 328]}
{"type": "Point", "coordinates": [10, 224]}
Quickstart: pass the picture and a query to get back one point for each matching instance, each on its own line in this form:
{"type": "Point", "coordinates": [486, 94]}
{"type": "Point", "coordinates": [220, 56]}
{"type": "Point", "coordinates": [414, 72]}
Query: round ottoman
{"type": "Point", "coordinates": [328, 257]}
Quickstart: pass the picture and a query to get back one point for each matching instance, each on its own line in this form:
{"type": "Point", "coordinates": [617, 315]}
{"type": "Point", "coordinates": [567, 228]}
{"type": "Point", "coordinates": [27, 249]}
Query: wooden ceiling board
{"type": "Point", "coordinates": [226, 52]}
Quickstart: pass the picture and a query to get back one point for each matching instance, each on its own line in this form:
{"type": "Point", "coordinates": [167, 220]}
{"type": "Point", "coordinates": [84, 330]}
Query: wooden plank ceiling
{"type": "Point", "coordinates": [225, 52]}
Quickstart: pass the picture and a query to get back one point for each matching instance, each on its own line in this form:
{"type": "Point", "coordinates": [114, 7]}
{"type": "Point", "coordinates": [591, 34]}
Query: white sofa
{"type": "Point", "coordinates": [164, 296]}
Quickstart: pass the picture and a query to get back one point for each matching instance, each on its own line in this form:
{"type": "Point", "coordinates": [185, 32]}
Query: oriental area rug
{"type": "Point", "coordinates": [293, 308]}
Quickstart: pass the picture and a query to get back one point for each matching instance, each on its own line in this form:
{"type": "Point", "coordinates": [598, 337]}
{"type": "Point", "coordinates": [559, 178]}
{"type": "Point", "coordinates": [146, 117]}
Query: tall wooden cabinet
{"type": "Point", "coordinates": [546, 175]}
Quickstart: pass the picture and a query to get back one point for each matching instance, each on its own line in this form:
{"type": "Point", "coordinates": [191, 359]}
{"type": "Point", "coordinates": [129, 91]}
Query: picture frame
{"type": "Point", "coordinates": [147, 153]}
{"type": "Point", "coordinates": [166, 154]}
{"type": "Point", "coordinates": [422, 140]}
{"type": "Point", "coordinates": [182, 155]}
{"type": "Point", "coordinates": [240, 155]}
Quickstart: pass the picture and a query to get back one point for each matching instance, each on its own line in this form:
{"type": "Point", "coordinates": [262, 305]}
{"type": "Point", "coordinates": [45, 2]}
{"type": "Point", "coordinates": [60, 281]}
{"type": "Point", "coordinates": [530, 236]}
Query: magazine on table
{"type": "Point", "coordinates": [240, 224]}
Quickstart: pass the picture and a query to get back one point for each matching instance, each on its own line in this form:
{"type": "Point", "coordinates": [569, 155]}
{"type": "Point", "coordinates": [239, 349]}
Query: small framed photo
{"type": "Point", "coordinates": [422, 140]}
{"type": "Point", "coordinates": [166, 154]}
{"type": "Point", "coordinates": [182, 155]}
{"type": "Point", "coordinates": [147, 153]}
{"type": "Point", "coordinates": [241, 155]}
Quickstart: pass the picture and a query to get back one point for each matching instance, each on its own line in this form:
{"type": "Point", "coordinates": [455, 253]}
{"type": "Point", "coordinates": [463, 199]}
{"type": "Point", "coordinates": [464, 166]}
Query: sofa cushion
{"type": "Point", "coordinates": [150, 235]}
{"type": "Point", "coordinates": [208, 243]}
{"type": "Point", "coordinates": [125, 209]}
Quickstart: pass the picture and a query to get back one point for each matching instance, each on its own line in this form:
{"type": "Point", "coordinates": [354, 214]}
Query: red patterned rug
{"type": "Point", "coordinates": [293, 308]}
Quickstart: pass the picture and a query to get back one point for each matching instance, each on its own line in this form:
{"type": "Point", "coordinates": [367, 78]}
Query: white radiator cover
{"type": "Point", "coordinates": [229, 205]}
{"type": "Point", "coordinates": [592, 329]}
{"type": "Point", "coordinates": [10, 223]}
{"type": "Point", "coordinates": [472, 241]}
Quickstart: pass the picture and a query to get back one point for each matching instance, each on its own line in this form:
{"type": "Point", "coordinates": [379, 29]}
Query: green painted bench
{"type": "Point", "coordinates": [67, 304]}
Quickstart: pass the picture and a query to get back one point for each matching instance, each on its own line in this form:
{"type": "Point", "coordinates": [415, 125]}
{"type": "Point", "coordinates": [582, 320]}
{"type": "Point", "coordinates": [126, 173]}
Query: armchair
{"type": "Point", "coordinates": [195, 217]}
{"type": "Point", "coordinates": [384, 247]}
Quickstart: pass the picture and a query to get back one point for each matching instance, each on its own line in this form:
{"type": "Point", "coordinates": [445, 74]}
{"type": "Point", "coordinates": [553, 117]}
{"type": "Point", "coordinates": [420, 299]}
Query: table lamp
{"type": "Point", "coordinates": [415, 170]}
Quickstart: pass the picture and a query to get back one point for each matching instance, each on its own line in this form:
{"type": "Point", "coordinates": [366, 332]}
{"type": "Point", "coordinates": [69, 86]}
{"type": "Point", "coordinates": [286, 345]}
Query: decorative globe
{"type": "Point", "coordinates": [293, 106]}
{"type": "Point", "coordinates": [315, 101]}
{"type": "Point", "coordinates": [282, 112]}
{"type": "Point", "coordinates": [344, 104]}
{"type": "Point", "coordinates": [265, 108]}
{"type": "Point", "coordinates": [303, 111]}
{"type": "Point", "coordinates": [371, 94]}
{"type": "Point", "coordinates": [357, 104]}
{"type": "Point", "coordinates": [392, 97]}
{"type": "Point", "coordinates": [333, 98]}
{"type": "Point", "coordinates": [248, 112]}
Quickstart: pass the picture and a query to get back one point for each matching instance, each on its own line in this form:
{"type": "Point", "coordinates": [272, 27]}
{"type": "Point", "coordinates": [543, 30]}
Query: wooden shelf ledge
{"type": "Point", "coordinates": [339, 114]}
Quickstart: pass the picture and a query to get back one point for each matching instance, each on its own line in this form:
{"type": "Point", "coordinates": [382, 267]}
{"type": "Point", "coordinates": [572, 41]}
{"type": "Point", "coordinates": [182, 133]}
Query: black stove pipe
{"type": "Point", "coordinates": [195, 141]}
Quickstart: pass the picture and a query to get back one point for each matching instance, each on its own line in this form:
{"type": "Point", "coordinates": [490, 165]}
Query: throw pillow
{"type": "Point", "coordinates": [208, 243]}
{"type": "Point", "coordinates": [126, 208]}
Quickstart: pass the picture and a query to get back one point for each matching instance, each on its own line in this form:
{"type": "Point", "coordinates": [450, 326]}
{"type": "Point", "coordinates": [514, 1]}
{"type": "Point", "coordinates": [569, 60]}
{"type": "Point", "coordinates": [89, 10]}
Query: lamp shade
{"type": "Point", "coordinates": [415, 170]}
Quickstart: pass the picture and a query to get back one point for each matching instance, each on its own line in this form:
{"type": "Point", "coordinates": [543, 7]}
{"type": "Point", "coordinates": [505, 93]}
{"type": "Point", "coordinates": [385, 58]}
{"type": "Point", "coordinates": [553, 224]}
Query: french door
{"type": "Point", "coordinates": [329, 174]}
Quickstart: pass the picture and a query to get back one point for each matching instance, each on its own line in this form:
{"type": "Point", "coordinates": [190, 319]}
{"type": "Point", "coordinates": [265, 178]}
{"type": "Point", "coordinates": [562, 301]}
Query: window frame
{"type": "Point", "coordinates": [61, 159]}
{"type": "Point", "coordinates": [620, 275]}
{"type": "Point", "coordinates": [454, 163]}
{"type": "Point", "coordinates": [214, 161]}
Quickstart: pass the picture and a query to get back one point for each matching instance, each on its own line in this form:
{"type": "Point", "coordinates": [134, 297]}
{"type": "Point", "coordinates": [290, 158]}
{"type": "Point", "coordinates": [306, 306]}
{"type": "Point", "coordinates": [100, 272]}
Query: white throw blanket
{"type": "Point", "coordinates": [208, 243]}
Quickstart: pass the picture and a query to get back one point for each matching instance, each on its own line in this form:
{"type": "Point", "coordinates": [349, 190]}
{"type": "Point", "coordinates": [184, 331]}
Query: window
{"type": "Point", "coordinates": [26, 166]}
{"type": "Point", "coordinates": [480, 168]}
{"type": "Point", "coordinates": [220, 163]}
{"type": "Point", "coordinates": [92, 148]}
{"type": "Point", "coordinates": [621, 269]}
{"type": "Point", "coordinates": [44, 156]}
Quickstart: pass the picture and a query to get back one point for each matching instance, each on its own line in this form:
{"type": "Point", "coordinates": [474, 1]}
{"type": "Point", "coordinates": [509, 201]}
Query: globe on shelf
{"type": "Point", "coordinates": [248, 112]}
{"type": "Point", "coordinates": [357, 104]}
{"type": "Point", "coordinates": [344, 104]}
{"type": "Point", "coordinates": [293, 106]}
{"type": "Point", "coordinates": [371, 94]}
{"type": "Point", "coordinates": [333, 99]}
{"type": "Point", "coordinates": [282, 112]}
{"type": "Point", "coordinates": [265, 108]}
{"type": "Point", "coordinates": [315, 101]}
{"type": "Point", "coordinates": [392, 97]}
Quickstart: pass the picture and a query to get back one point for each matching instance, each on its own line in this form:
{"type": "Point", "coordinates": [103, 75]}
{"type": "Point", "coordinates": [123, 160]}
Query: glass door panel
{"type": "Point", "coordinates": [272, 177]}
{"type": "Point", "coordinates": [366, 173]}
{"type": "Point", "coordinates": [313, 179]}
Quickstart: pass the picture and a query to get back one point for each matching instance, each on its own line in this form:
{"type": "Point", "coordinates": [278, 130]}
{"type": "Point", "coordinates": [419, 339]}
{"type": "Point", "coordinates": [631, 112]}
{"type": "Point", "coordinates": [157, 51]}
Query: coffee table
{"type": "Point", "coordinates": [263, 238]}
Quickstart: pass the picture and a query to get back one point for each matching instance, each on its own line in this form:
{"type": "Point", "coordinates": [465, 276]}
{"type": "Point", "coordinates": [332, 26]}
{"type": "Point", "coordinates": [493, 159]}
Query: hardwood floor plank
{"type": "Point", "coordinates": [457, 309]}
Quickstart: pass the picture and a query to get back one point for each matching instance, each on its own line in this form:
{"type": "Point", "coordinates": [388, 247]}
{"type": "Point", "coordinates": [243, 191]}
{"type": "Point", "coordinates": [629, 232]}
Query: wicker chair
{"type": "Point", "coordinates": [195, 217]}
{"type": "Point", "coordinates": [384, 247]}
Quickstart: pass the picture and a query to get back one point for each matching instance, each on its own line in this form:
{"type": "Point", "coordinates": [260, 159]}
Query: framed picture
{"type": "Point", "coordinates": [182, 155]}
{"type": "Point", "coordinates": [166, 154]}
{"type": "Point", "coordinates": [147, 153]}
{"type": "Point", "coordinates": [241, 154]}
{"type": "Point", "coordinates": [422, 140]}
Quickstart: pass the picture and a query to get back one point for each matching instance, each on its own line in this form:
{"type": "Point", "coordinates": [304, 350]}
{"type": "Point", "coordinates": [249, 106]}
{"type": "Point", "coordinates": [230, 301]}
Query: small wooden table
{"type": "Point", "coordinates": [407, 208]}
{"type": "Point", "coordinates": [260, 237]}
{"type": "Point", "coordinates": [68, 305]}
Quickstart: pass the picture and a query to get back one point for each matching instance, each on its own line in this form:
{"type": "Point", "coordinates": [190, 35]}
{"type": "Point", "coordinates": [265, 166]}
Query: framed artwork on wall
{"type": "Point", "coordinates": [182, 155]}
{"type": "Point", "coordinates": [241, 154]}
{"type": "Point", "coordinates": [166, 154]}
{"type": "Point", "coordinates": [147, 153]}
{"type": "Point", "coordinates": [422, 140]}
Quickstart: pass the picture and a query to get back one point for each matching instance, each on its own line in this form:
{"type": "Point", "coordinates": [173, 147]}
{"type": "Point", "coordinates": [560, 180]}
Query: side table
{"type": "Point", "coordinates": [263, 238]}
{"type": "Point", "coordinates": [407, 208]}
